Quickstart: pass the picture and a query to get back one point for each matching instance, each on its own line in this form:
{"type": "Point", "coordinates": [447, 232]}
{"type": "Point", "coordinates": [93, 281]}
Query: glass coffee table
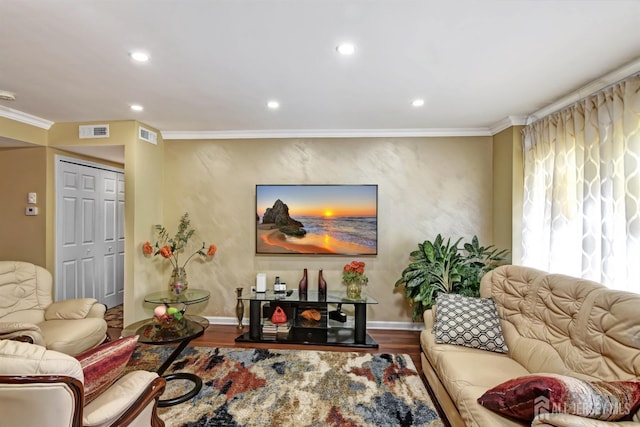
{"type": "Point", "coordinates": [191, 326]}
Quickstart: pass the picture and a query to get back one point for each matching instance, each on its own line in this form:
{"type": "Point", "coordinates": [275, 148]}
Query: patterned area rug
{"type": "Point", "coordinates": [113, 316]}
{"type": "Point", "coordinates": [253, 387]}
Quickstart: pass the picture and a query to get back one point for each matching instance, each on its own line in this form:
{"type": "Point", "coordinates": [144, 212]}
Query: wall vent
{"type": "Point", "coordinates": [94, 131]}
{"type": "Point", "coordinates": [147, 135]}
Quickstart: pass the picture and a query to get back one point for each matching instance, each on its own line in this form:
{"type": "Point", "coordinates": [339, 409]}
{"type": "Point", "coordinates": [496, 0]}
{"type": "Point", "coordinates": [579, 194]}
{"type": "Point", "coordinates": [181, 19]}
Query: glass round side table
{"type": "Point", "coordinates": [193, 326]}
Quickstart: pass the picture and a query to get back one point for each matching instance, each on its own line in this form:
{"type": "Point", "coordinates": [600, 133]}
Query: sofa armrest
{"type": "Point", "coordinates": [70, 309]}
{"type": "Point", "coordinates": [125, 400]}
{"type": "Point", "coordinates": [27, 332]}
{"type": "Point", "coordinates": [429, 318]}
{"type": "Point", "coordinates": [568, 420]}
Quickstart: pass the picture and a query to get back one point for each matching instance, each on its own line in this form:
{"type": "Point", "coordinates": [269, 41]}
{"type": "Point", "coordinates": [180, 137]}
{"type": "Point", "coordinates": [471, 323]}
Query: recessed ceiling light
{"type": "Point", "coordinates": [139, 56]}
{"type": "Point", "coordinates": [417, 102]}
{"type": "Point", "coordinates": [346, 48]}
{"type": "Point", "coordinates": [136, 107]}
{"type": "Point", "coordinates": [274, 105]}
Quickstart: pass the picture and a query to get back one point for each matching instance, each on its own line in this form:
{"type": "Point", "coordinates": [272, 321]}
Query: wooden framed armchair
{"type": "Point", "coordinates": [27, 311]}
{"type": "Point", "coordinates": [41, 388]}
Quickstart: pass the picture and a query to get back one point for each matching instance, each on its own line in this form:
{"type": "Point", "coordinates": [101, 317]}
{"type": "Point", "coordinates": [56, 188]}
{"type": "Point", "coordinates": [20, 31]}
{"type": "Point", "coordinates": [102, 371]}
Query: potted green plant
{"type": "Point", "coordinates": [441, 266]}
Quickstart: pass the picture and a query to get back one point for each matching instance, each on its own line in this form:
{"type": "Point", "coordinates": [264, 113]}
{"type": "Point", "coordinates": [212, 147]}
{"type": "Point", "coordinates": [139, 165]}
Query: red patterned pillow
{"type": "Point", "coordinates": [525, 397]}
{"type": "Point", "coordinates": [103, 365]}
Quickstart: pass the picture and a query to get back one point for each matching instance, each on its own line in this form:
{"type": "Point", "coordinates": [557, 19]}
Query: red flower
{"type": "Point", "coordinates": [165, 251]}
{"type": "Point", "coordinates": [147, 249]}
{"type": "Point", "coordinates": [212, 250]}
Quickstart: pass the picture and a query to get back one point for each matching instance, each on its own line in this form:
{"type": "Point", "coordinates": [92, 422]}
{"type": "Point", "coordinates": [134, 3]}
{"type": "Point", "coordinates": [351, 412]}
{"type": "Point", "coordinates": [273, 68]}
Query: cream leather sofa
{"type": "Point", "coordinates": [27, 310]}
{"type": "Point", "coordinates": [44, 388]}
{"type": "Point", "coordinates": [551, 324]}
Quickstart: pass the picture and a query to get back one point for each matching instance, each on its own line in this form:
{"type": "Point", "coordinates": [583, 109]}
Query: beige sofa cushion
{"type": "Point", "coordinates": [107, 406]}
{"type": "Point", "coordinates": [563, 325]}
{"type": "Point", "coordinates": [467, 373]}
{"type": "Point", "coordinates": [18, 358]}
{"type": "Point", "coordinates": [73, 336]}
{"type": "Point", "coordinates": [24, 292]}
{"type": "Point", "coordinates": [69, 309]}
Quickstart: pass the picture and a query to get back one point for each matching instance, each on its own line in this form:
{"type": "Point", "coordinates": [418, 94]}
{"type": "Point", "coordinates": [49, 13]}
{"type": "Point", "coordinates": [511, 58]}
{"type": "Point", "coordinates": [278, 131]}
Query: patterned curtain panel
{"type": "Point", "coordinates": [582, 189]}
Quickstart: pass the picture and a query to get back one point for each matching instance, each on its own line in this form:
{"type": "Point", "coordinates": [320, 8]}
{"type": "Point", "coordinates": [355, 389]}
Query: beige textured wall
{"type": "Point", "coordinates": [507, 191]}
{"type": "Point", "coordinates": [22, 170]}
{"type": "Point", "coordinates": [517, 194]}
{"type": "Point", "coordinates": [425, 186]}
{"type": "Point", "coordinates": [23, 132]}
{"type": "Point", "coordinates": [502, 184]}
{"type": "Point", "coordinates": [144, 173]}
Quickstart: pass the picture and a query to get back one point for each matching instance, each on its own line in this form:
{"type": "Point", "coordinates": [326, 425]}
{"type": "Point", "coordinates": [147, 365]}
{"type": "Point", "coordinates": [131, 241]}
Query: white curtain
{"type": "Point", "coordinates": [581, 209]}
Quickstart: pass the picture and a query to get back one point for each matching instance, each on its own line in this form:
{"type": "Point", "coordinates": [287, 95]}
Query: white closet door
{"type": "Point", "coordinates": [89, 239]}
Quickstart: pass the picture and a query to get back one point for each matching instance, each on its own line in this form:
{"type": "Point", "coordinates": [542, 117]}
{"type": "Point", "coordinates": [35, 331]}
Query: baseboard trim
{"type": "Point", "coordinates": [400, 326]}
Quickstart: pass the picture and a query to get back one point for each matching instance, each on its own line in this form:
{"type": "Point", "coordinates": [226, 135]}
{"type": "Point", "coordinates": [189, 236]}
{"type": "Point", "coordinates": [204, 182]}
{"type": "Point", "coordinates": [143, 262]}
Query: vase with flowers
{"type": "Point", "coordinates": [354, 279]}
{"type": "Point", "coordinates": [171, 248]}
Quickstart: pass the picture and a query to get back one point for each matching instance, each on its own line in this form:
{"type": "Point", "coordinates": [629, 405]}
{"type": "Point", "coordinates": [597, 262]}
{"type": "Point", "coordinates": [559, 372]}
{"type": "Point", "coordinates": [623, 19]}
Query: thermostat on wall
{"type": "Point", "coordinates": [31, 211]}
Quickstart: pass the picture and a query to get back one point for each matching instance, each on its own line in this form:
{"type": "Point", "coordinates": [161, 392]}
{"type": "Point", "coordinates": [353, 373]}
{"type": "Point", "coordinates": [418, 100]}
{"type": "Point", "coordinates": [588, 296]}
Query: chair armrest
{"type": "Point", "coordinates": [568, 420]}
{"type": "Point", "coordinates": [69, 309]}
{"type": "Point", "coordinates": [125, 400]}
{"type": "Point", "coordinates": [38, 400]}
{"type": "Point", "coordinates": [18, 331]}
{"type": "Point", "coordinates": [97, 310]}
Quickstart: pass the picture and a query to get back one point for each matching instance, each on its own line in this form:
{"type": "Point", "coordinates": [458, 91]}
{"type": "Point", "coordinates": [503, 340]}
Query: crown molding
{"type": "Point", "coordinates": [21, 117]}
{"type": "Point", "coordinates": [597, 85]}
{"type": "Point", "coordinates": [507, 122]}
{"type": "Point", "coordinates": [329, 133]}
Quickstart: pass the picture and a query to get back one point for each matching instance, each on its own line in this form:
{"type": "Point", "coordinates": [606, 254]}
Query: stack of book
{"type": "Point", "coordinates": [271, 330]}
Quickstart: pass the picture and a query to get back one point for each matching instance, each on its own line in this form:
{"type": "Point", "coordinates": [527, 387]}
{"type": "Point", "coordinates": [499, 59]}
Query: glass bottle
{"type": "Point", "coordinates": [303, 285]}
{"type": "Point", "coordinates": [322, 285]}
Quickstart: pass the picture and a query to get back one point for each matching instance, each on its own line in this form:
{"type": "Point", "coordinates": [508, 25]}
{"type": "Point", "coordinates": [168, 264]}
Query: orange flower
{"type": "Point", "coordinates": [212, 250]}
{"type": "Point", "coordinates": [165, 251]}
{"type": "Point", "coordinates": [147, 249]}
{"type": "Point", "coordinates": [354, 271]}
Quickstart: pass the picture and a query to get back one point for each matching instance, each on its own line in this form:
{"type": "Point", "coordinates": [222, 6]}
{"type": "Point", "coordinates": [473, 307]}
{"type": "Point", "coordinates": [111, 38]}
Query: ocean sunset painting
{"type": "Point", "coordinates": [317, 219]}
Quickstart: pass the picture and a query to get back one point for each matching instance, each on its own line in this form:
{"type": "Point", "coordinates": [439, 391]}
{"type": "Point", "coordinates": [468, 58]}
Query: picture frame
{"type": "Point", "coordinates": [303, 219]}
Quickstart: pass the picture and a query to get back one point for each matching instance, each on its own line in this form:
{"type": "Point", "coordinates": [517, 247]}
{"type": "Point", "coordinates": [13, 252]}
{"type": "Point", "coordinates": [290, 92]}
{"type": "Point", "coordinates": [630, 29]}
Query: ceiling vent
{"type": "Point", "coordinates": [94, 131]}
{"type": "Point", "coordinates": [147, 135]}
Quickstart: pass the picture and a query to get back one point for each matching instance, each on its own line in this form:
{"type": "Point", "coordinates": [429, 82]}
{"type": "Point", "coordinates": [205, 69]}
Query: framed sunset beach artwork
{"type": "Point", "coordinates": [317, 219]}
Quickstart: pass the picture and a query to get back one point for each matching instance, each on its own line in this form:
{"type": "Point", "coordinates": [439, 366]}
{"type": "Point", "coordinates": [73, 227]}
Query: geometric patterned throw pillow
{"type": "Point", "coordinates": [525, 397]}
{"type": "Point", "coordinates": [470, 322]}
{"type": "Point", "coordinates": [103, 365]}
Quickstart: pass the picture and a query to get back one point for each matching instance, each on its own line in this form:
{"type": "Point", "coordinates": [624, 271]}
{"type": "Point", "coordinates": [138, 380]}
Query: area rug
{"type": "Point", "coordinates": [113, 316]}
{"type": "Point", "coordinates": [256, 387]}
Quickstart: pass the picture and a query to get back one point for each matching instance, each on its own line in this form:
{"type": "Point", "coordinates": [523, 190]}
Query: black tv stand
{"type": "Point", "coordinates": [298, 330]}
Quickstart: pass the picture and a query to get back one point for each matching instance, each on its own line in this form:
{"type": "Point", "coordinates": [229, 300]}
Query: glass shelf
{"type": "Point", "coordinates": [190, 296]}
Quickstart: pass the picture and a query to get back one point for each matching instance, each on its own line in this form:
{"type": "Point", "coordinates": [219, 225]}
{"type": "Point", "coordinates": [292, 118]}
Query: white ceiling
{"type": "Point", "coordinates": [215, 63]}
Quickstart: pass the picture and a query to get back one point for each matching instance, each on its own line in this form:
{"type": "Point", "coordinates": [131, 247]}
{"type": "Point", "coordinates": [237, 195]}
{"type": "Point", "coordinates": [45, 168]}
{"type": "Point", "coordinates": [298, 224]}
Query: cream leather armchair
{"type": "Point", "coordinates": [45, 388]}
{"type": "Point", "coordinates": [27, 311]}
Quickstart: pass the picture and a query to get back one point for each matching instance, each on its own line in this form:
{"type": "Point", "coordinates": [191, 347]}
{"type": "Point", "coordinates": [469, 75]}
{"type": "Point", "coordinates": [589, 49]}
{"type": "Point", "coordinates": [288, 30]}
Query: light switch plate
{"type": "Point", "coordinates": [32, 198]}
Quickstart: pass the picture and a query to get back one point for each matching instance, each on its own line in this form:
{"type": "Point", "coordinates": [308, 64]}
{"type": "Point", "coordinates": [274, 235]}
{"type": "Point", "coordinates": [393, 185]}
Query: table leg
{"type": "Point", "coordinates": [196, 380]}
{"type": "Point", "coordinates": [172, 356]}
{"type": "Point", "coordinates": [360, 332]}
{"type": "Point", "coordinates": [254, 319]}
